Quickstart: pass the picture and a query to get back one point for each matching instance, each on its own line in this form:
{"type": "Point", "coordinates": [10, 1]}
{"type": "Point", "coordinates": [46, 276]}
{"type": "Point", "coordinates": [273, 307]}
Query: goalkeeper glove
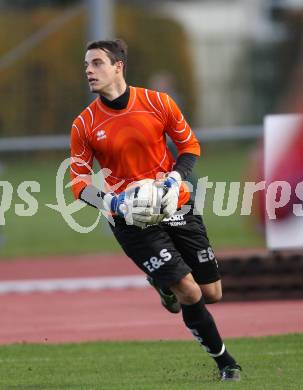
{"type": "Point", "coordinates": [171, 187]}
{"type": "Point", "coordinates": [135, 212]}
{"type": "Point", "coordinates": [117, 204]}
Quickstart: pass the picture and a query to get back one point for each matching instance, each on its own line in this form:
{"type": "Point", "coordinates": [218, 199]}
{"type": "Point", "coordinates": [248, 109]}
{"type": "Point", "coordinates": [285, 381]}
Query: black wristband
{"type": "Point", "coordinates": [184, 164]}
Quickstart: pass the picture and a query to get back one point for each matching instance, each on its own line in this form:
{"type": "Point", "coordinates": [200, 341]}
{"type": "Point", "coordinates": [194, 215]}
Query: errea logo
{"type": "Point", "coordinates": [100, 135]}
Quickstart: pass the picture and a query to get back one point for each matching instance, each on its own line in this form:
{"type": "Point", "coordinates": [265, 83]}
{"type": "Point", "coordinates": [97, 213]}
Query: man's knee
{"type": "Point", "coordinates": [212, 292]}
{"type": "Point", "coordinates": [213, 298]}
{"type": "Point", "coordinates": [187, 290]}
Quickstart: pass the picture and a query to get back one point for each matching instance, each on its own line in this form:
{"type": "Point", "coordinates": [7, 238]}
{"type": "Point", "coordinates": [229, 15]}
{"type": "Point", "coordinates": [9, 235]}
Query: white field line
{"type": "Point", "coordinates": [72, 284]}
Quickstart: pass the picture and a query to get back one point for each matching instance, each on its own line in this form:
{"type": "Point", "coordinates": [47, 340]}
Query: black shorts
{"type": "Point", "coordinates": [171, 250]}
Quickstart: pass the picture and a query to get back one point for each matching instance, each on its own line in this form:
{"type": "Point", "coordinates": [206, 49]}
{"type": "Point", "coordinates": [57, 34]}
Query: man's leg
{"type": "Point", "coordinates": [203, 327]}
{"type": "Point", "coordinates": [191, 240]}
{"type": "Point", "coordinates": [212, 293]}
{"type": "Point", "coordinates": [153, 250]}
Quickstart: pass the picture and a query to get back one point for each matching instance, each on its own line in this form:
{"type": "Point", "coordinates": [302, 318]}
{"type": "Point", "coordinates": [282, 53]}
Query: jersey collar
{"type": "Point", "coordinates": [123, 103]}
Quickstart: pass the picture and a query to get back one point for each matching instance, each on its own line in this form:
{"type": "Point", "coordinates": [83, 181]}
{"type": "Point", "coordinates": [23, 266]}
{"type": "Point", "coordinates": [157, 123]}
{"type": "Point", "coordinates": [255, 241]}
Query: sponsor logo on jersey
{"type": "Point", "coordinates": [101, 135]}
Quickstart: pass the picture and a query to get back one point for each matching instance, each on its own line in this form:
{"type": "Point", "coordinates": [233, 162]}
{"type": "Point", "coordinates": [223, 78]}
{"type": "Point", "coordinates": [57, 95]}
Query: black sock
{"type": "Point", "coordinates": [202, 325]}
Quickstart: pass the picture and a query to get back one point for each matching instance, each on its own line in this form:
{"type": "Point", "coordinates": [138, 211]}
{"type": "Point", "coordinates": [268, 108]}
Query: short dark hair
{"type": "Point", "coordinates": [116, 50]}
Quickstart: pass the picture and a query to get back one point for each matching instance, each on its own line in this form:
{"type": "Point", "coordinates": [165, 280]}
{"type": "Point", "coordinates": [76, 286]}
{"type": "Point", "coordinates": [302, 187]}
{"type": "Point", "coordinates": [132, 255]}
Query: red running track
{"type": "Point", "coordinates": [133, 314]}
{"type": "Point", "coordinates": [119, 314]}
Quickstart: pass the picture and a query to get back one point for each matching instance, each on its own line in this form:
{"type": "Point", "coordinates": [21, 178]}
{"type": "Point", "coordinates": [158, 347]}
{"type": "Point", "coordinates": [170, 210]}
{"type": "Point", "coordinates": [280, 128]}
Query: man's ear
{"type": "Point", "coordinates": [119, 66]}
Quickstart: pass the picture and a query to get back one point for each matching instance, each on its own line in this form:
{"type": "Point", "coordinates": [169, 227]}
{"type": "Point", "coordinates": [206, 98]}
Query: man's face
{"type": "Point", "coordinates": [99, 70]}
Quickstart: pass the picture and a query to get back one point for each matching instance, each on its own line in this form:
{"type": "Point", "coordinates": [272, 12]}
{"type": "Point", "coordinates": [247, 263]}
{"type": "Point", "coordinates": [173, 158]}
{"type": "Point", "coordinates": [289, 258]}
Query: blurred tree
{"type": "Point", "coordinates": [158, 45]}
{"type": "Point", "coordinates": [36, 3]}
{"type": "Point", "coordinates": [43, 91]}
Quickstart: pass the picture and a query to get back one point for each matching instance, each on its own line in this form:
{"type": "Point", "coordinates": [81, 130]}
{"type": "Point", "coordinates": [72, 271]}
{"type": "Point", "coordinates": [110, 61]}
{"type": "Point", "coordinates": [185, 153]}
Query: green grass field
{"type": "Point", "coordinates": [46, 233]}
{"type": "Point", "coordinates": [268, 363]}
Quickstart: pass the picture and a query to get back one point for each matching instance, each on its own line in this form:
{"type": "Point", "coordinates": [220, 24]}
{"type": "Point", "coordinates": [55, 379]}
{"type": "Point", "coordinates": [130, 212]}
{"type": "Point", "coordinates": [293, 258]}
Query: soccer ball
{"type": "Point", "coordinates": [147, 191]}
{"type": "Point", "coordinates": [147, 195]}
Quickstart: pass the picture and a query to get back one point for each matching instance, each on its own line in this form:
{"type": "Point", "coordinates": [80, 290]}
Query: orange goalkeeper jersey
{"type": "Point", "coordinates": [131, 142]}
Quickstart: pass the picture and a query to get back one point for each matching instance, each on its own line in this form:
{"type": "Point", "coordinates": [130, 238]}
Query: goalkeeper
{"type": "Point", "coordinates": [125, 130]}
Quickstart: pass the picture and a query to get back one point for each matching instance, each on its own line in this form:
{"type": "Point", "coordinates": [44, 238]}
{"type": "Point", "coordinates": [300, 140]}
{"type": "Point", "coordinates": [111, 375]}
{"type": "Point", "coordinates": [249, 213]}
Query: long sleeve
{"type": "Point", "coordinates": [81, 157]}
{"type": "Point", "coordinates": [178, 129]}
